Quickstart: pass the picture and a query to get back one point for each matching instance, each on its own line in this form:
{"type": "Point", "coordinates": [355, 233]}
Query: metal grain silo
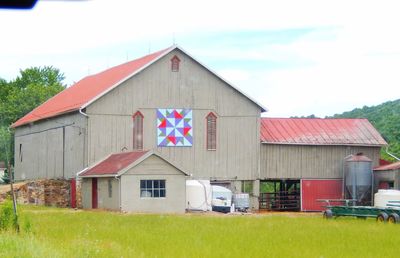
{"type": "Point", "coordinates": [358, 179]}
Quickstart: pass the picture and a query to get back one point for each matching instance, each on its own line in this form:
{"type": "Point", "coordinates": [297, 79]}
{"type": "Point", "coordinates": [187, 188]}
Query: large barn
{"type": "Point", "coordinates": [166, 102]}
{"type": "Point", "coordinates": [190, 122]}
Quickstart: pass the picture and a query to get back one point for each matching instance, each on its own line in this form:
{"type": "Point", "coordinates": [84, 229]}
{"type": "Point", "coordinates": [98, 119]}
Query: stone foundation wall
{"type": "Point", "coordinates": [49, 192]}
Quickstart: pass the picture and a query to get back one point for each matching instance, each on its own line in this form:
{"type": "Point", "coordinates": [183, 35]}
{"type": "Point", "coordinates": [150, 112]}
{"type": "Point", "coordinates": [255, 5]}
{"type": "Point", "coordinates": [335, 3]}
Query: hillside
{"type": "Point", "coordinates": [386, 119]}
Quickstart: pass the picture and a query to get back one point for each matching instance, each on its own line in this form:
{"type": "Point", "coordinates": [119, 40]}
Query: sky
{"type": "Point", "coordinates": [296, 58]}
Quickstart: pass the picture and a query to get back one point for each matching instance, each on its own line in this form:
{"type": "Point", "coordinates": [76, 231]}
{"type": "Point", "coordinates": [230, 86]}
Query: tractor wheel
{"type": "Point", "coordinates": [382, 217]}
{"type": "Point", "coordinates": [394, 218]}
{"type": "Point", "coordinates": [328, 214]}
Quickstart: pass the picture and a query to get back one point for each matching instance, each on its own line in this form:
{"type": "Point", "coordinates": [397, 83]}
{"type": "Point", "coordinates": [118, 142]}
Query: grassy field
{"type": "Point", "coordinates": [68, 233]}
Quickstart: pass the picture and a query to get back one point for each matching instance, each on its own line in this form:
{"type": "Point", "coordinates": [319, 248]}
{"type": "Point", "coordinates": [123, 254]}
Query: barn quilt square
{"type": "Point", "coordinates": [174, 127]}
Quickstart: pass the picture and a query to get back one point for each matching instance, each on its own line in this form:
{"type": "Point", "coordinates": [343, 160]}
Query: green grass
{"type": "Point", "coordinates": [68, 233]}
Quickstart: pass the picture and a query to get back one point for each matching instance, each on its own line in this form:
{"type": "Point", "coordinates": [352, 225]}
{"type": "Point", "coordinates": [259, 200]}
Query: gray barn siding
{"type": "Point", "coordinates": [110, 121]}
{"type": "Point", "coordinates": [104, 200]}
{"type": "Point", "coordinates": [42, 148]}
{"type": "Point", "coordinates": [302, 161]}
{"type": "Point", "coordinates": [153, 168]}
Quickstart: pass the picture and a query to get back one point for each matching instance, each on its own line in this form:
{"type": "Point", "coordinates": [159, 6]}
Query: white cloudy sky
{"type": "Point", "coordinates": [295, 57]}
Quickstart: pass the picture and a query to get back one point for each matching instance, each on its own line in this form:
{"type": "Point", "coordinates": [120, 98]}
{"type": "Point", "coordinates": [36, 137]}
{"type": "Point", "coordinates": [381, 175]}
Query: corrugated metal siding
{"type": "Point", "coordinates": [238, 146]}
{"type": "Point", "coordinates": [304, 161]}
{"type": "Point", "coordinates": [312, 190]}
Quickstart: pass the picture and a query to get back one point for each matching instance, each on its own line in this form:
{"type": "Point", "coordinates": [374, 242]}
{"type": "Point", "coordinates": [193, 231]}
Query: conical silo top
{"type": "Point", "coordinates": [359, 157]}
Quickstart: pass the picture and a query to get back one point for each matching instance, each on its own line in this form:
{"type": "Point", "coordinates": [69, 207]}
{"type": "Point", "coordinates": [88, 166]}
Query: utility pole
{"type": "Point", "coordinates": [13, 197]}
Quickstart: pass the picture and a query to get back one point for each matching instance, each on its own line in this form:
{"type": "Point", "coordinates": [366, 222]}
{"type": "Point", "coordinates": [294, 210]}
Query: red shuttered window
{"type": "Point", "coordinates": [137, 127]}
{"type": "Point", "coordinates": [175, 64]}
{"type": "Point", "coordinates": [211, 131]}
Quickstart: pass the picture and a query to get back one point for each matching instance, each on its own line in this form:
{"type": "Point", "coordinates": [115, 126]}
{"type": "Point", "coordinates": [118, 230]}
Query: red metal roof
{"type": "Point", "coordinates": [392, 166]}
{"type": "Point", "coordinates": [92, 87]}
{"type": "Point", "coordinates": [114, 163]}
{"type": "Point", "coordinates": [317, 131]}
{"type": "Point", "coordinates": [75, 97]}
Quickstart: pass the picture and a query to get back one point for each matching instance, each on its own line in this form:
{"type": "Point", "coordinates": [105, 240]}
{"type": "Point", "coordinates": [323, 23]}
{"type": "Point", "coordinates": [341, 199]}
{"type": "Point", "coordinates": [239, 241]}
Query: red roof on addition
{"type": "Point", "coordinates": [392, 166]}
{"type": "Point", "coordinates": [114, 163]}
{"type": "Point", "coordinates": [317, 131]}
{"type": "Point", "coordinates": [86, 90]}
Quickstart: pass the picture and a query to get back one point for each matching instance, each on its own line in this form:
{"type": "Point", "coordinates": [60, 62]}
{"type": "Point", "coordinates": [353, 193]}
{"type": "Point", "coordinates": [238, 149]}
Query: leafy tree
{"type": "Point", "coordinates": [18, 97]}
{"type": "Point", "coordinates": [386, 119]}
{"type": "Point", "coordinates": [33, 87]}
{"type": "Point", "coordinates": [5, 144]}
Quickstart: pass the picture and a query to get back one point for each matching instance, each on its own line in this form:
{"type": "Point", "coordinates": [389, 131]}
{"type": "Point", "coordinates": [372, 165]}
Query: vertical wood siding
{"type": "Point", "coordinates": [193, 87]}
{"type": "Point", "coordinates": [49, 151]}
{"type": "Point", "coordinates": [300, 161]}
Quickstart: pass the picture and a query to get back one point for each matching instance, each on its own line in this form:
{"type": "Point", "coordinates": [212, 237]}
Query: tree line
{"type": "Point", "coordinates": [19, 96]}
{"type": "Point", "coordinates": [386, 119]}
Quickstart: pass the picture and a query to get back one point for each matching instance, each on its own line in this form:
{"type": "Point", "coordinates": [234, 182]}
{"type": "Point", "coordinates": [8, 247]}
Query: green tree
{"type": "Point", "coordinates": [18, 97]}
{"type": "Point", "coordinates": [386, 119]}
{"type": "Point", "coordinates": [5, 144]}
{"type": "Point", "coordinates": [30, 89]}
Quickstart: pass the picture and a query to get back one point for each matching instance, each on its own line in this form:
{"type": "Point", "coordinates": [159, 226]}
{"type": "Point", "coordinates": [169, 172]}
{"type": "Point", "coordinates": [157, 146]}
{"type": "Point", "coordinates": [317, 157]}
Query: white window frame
{"type": "Point", "coordinates": [150, 186]}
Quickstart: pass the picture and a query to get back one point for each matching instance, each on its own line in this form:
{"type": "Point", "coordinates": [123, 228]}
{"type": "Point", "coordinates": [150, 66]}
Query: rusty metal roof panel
{"type": "Point", "coordinates": [318, 131]}
{"type": "Point", "coordinates": [113, 164]}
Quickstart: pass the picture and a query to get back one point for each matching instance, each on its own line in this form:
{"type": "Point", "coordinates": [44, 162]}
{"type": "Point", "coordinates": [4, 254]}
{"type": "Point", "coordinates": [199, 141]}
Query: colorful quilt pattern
{"type": "Point", "coordinates": [174, 127]}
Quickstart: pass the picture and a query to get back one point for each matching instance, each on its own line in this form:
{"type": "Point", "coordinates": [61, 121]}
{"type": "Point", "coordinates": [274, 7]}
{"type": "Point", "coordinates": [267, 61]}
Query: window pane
{"type": "Point", "coordinates": [152, 188]}
{"type": "Point", "coordinates": [162, 193]}
{"type": "Point", "coordinates": [145, 194]}
{"type": "Point", "coordinates": [156, 193]}
{"type": "Point", "coordinates": [162, 183]}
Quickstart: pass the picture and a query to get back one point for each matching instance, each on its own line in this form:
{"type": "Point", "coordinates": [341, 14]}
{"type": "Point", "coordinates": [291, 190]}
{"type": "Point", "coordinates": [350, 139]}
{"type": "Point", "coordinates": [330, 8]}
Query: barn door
{"type": "Point", "coordinates": [315, 190]}
{"type": "Point", "coordinates": [94, 193]}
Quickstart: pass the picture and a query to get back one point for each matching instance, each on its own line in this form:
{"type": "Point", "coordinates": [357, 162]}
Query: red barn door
{"type": "Point", "coordinates": [94, 193]}
{"type": "Point", "coordinates": [314, 189]}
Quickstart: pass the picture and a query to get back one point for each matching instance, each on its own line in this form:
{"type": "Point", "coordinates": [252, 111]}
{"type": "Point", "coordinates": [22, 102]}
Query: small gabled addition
{"type": "Point", "coordinates": [175, 64]}
{"type": "Point", "coordinates": [211, 131]}
{"type": "Point", "coordinates": [137, 127]}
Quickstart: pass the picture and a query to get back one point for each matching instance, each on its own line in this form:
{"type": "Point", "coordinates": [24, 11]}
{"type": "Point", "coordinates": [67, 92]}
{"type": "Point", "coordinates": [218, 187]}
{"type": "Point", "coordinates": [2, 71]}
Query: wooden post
{"type": "Point", "coordinates": [13, 197]}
